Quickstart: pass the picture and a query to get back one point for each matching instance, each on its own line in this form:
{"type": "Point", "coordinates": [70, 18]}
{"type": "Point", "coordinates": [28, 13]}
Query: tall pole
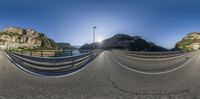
{"type": "Point", "coordinates": [94, 28]}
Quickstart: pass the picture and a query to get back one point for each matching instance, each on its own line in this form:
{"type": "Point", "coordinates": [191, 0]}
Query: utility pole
{"type": "Point", "coordinates": [94, 28]}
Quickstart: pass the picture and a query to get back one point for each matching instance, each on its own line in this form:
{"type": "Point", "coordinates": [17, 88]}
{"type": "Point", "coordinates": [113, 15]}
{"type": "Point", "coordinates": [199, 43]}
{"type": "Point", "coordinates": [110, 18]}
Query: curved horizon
{"type": "Point", "coordinates": [161, 22]}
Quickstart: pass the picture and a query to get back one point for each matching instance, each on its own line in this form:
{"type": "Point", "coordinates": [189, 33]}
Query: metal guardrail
{"type": "Point", "coordinates": [150, 54]}
{"type": "Point", "coordinates": [48, 53]}
{"type": "Point", "coordinates": [50, 59]}
{"type": "Point", "coordinates": [51, 65]}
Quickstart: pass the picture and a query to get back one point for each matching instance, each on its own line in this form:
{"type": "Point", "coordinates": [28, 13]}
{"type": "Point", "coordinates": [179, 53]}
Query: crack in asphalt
{"type": "Point", "coordinates": [115, 85]}
{"type": "Point", "coordinates": [125, 92]}
{"type": "Point", "coordinates": [135, 93]}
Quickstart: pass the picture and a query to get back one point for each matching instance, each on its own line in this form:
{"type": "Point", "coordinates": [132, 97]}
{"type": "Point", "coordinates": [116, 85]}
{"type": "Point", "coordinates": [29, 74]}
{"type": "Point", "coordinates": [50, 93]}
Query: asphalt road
{"type": "Point", "coordinates": [103, 78]}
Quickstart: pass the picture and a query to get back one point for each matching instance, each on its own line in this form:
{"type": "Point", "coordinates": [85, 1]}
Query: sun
{"type": "Point", "coordinates": [99, 40]}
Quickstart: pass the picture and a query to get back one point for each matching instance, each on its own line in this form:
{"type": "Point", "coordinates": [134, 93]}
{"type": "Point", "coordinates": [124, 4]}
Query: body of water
{"type": "Point", "coordinates": [70, 53]}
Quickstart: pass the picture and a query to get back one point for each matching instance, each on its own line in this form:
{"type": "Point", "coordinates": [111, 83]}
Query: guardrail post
{"type": "Point", "coordinates": [81, 51]}
{"type": "Point", "coordinates": [71, 53]}
{"type": "Point", "coordinates": [73, 61]}
{"type": "Point", "coordinates": [30, 53]}
{"type": "Point", "coordinates": [41, 53]}
{"type": "Point", "coordinates": [56, 53]}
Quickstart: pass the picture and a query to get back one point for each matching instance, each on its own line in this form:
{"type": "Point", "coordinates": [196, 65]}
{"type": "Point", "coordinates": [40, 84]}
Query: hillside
{"type": "Point", "coordinates": [64, 46]}
{"type": "Point", "coordinates": [190, 42]}
{"type": "Point", "coordinates": [124, 41]}
{"type": "Point", "coordinates": [13, 37]}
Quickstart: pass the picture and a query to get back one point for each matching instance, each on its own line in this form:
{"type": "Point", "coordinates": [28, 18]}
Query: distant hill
{"type": "Point", "coordinates": [124, 41]}
{"type": "Point", "coordinates": [65, 46]}
{"type": "Point", "coordinates": [76, 46]}
{"type": "Point", "coordinates": [90, 46]}
{"type": "Point", "coordinates": [189, 42]}
{"type": "Point", "coordinates": [14, 37]}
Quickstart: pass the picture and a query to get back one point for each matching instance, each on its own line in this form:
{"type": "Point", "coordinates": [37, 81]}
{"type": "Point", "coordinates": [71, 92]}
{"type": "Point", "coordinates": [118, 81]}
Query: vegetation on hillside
{"type": "Point", "coordinates": [186, 44]}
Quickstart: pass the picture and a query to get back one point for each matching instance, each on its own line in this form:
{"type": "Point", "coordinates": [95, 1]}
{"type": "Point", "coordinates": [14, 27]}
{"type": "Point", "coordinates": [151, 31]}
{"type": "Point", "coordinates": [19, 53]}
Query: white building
{"type": "Point", "coordinates": [195, 46]}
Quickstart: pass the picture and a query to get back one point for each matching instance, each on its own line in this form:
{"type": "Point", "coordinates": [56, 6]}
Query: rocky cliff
{"type": "Point", "coordinates": [190, 42]}
{"type": "Point", "coordinates": [13, 37]}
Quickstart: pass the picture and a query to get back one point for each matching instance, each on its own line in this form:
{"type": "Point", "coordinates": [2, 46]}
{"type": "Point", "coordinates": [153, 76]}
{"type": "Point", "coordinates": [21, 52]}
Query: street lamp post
{"type": "Point", "coordinates": [94, 28]}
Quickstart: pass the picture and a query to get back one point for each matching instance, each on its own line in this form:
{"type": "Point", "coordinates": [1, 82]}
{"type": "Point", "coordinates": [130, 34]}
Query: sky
{"type": "Point", "coordinates": [163, 22]}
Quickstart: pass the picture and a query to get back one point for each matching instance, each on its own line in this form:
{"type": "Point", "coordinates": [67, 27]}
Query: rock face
{"type": "Point", "coordinates": [12, 37]}
{"type": "Point", "coordinates": [190, 42]}
{"type": "Point", "coordinates": [123, 41]}
{"type": "Point", "coordinates": [117, 41]}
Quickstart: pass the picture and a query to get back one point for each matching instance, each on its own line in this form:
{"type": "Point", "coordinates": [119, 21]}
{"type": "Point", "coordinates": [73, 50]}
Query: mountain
{"type": "Point", "coordinates": [90, 46]}
{"type": "Point", "coordinates": [14, 37]}
{"type": "Point", "coordinates": [117, 41]}
{"type": "Point", "coordinates": [189, 42]}
{"type": "Point", "coordinates": [124, 41]}
{"type": "Point", "coordinates": [65, 46]}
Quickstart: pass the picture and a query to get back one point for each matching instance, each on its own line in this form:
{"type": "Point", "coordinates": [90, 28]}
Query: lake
{"type": "Point", "coordinates": [69, 53]}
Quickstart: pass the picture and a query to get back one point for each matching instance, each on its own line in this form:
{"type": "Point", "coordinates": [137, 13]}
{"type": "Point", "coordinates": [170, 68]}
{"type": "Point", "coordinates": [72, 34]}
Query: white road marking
{"type": "Point", "coordinates": [151, 73]}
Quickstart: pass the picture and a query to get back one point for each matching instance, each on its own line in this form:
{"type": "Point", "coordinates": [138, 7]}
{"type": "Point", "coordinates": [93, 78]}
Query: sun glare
{"type": "Point", "coordinates": [99, 40]}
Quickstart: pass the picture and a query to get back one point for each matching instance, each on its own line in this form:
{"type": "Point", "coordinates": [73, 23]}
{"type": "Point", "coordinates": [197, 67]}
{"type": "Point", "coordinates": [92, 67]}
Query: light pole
{"type": "Point", "coordinates": [94, 28]}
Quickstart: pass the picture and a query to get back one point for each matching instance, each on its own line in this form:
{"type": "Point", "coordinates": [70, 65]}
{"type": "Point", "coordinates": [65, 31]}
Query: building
{"type": "Point", "coordinates": [196, 46]}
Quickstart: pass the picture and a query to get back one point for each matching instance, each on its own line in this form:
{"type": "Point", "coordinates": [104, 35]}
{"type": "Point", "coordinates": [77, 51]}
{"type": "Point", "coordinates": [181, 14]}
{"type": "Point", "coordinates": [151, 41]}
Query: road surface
{"type": "Point", "coordinates": [103, 78]}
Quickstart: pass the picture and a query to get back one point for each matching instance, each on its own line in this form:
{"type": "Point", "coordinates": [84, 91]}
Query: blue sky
{"type": "Point", "coordinates": [163, 22]}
